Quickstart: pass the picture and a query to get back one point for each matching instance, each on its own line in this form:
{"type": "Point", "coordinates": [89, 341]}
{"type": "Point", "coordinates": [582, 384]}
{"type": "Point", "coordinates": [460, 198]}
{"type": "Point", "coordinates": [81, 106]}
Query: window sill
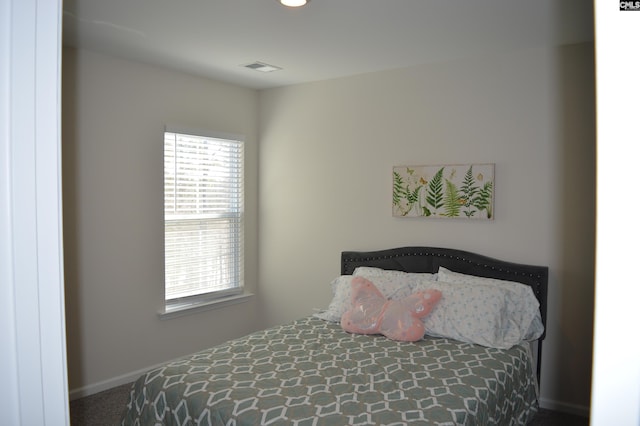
{"type": "Point", "coordinates": [192, 308]}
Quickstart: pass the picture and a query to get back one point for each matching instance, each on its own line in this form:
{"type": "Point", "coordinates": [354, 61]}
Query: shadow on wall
{"type": "Point", "coordinates": [70, 219]}
{"type": "Point", "coordinates": [577, 204]}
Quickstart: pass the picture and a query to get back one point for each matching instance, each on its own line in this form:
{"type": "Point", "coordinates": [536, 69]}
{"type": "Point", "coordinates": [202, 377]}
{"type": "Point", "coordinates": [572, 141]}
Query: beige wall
{"type": "Point", "coordinates": [114, 114]}
{"type": "Point", "coordinates": [326, 153]}
{"type": "Point", "coordinates": [324, 178]}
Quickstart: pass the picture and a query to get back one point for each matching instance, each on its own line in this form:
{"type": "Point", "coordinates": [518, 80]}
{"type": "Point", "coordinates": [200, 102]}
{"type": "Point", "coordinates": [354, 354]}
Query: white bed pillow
{"type": "Point", "coordinates": [341, 300]}
{"type": "Point", "coordinates": [528, 303]}
{"type": "Point", "coordinates": [394, 285]}
{"type": "Point", "coordinates": [483, 311]}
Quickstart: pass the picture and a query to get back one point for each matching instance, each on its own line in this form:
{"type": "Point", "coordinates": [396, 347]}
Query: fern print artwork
{"type": "Point", "coordinates": [462, 191]}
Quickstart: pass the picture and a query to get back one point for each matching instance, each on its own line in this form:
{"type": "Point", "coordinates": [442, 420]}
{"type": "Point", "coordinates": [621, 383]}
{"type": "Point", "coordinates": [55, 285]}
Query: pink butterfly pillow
{"type": "Point", "coordinates": [371, 313]}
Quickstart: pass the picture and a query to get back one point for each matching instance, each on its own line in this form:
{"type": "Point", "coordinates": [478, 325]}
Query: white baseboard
{"type": "Point", "coordinates": [579, 410]}
{"type": "Point", "coordinates": [108, 384]}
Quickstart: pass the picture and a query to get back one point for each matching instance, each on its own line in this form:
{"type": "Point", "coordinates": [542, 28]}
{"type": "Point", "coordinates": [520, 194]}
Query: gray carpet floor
{"type": "Point", "coordinates": [106, 408]}
{"type": "Point", "coordinates": [101, 409]}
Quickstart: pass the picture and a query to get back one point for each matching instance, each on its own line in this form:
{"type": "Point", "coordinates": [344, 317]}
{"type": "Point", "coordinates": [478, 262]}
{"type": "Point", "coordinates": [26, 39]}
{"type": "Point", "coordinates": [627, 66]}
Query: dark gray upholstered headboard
{"type": "Point", "coordinates": [429, 259]}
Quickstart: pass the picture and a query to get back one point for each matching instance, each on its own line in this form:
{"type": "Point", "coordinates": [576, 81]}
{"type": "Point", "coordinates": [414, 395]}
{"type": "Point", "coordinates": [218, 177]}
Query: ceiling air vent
{"type": "Point", "coordinates": [262, 67]}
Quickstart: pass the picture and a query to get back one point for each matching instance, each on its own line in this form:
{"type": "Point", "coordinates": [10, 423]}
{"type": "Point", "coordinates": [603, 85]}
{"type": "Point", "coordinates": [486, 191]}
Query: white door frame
{"type": "Point", "coordinates": [33, 359]}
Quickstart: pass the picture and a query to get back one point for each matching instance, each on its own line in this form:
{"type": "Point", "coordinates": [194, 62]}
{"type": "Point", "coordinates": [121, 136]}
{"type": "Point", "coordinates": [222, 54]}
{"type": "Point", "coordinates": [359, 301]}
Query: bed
{"type": "Point", "coordinates": [313, 372]}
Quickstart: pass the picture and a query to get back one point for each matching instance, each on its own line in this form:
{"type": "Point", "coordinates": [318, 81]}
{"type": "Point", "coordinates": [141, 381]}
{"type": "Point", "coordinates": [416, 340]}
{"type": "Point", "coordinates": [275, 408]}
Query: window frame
{"type": "Point", "coordinates": [216, 298]}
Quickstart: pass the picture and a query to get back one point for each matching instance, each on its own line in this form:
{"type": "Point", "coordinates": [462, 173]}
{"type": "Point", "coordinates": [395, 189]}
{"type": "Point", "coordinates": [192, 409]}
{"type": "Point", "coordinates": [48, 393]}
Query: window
{"type": "Point", "coordinates": [203, 218]}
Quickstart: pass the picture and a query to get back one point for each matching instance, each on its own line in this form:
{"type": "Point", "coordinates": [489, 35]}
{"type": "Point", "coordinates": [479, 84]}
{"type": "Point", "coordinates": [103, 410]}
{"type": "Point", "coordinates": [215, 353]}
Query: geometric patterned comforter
{"type": "Point", "coordinates": [311, 372]}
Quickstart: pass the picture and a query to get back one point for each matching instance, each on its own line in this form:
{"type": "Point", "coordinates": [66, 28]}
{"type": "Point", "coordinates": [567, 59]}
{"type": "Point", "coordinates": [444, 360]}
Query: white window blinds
{"type": "Point", "coordinates": [203, 216]}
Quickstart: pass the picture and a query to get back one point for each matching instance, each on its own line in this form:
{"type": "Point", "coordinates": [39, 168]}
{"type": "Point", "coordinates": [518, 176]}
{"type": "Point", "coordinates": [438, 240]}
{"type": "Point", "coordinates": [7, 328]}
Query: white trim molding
{"type": "Point", "coordinates": [33, 360]}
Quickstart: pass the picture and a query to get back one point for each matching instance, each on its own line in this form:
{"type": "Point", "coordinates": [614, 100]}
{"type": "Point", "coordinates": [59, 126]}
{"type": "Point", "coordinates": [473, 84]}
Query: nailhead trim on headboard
{"type": "Point", "coordinates": [459, 261]}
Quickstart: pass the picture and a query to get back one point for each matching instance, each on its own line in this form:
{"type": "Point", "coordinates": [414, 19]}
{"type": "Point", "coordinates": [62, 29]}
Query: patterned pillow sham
{"type": "Point", "coordinates": [341, 300]}
{"type": "Point", "coordinates": [394, 285]}
{"type": "Point", "coordinates": [396, 281]}
{"type": "Point", "coordinates": [483, 311]}
{"type": "Point", "coordinates": [527, 305]}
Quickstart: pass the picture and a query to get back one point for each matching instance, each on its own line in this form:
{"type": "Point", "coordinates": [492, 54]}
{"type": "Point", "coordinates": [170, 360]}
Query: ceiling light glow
{"type": "Point", "coordinates": [293, 3]}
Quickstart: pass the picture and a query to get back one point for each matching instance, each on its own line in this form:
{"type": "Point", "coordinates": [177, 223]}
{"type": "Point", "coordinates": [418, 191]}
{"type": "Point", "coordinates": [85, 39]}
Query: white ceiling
{"type": "Point", "coordinates": [325, 39]}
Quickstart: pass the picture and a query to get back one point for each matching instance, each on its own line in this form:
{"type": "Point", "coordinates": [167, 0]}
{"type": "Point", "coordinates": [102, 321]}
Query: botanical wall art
{"type": "Point", "coordinates": [460, 191]}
